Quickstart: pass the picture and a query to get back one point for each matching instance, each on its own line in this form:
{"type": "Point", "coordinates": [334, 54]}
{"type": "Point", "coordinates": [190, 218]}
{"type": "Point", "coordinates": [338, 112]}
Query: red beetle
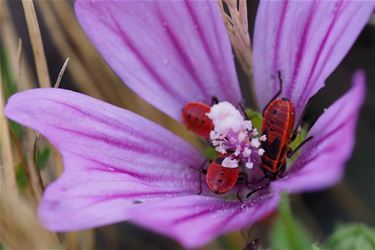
{"type": "Point", "coordinates": [195, 118]}
{"type": "Point", "coordinates": [221, 179]}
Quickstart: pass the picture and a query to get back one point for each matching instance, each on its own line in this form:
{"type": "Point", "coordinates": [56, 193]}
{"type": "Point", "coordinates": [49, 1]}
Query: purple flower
{"type": "Point", "coordinates": [120, 166]}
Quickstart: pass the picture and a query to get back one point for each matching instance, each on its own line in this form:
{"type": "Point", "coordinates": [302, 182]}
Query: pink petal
{"type": "Point", "coordinates": [112, 157]}
{"type": "Point", "coordinates": [322, 160]}
{"type": "Point", "coordinates": [305, 40]}
{"type": "Point", "coordinates": [168, 52]}
{"type": "Point", "coordinates": [196, 220]}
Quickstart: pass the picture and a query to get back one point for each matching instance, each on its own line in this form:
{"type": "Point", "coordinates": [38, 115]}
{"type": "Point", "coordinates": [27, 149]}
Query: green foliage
{"type": "Point", "coordinates": [42, 157]}
{"type": "Point", "coordinates": [352, 236]}
{"type": "Point", "coordinates": [299, 138]}
{"type": "Point", "coordinates": [2, 246]}
{"type": "Point", "coordinates": [287, 232]}
{"type": "Point", "coordinates": [210, 153]}
{"type": "Point", "coordinates": [21, 177]}
{"type": "Point", "coordinates": [315, 247]}
{"type": "Point", "coordinates": [255, 117]}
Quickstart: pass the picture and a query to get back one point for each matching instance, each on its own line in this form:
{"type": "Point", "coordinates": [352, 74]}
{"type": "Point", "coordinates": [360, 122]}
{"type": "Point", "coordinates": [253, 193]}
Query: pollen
{"type": "Point", "coordinates": [234, 137]}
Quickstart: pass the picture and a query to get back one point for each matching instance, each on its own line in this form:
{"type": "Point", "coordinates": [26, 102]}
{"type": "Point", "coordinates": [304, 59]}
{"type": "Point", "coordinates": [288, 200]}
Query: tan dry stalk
{"type": "Point", "coordinates": [19, 227]}
{"type": "Point", "coordinates": [7, 171]}
{"type": "Point", "coordinates": [237, 27]}
{"type": "Point", "coordinates": [17, 61]}
{"type": "Point", "coordinates": [37, 44]}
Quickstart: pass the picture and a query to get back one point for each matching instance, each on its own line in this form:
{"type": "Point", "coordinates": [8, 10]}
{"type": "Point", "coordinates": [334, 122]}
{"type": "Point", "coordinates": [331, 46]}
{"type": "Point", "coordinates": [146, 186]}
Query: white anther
{"type": "Point", "coordinates": [255, 142]}
{"type": "Point", "coordinates": [229, 163]}
{"type": "Point", "coordinates": [261, 151]}
{"type": "Point", "coordinates": [263, 138]}
{"type": "Point", "coordinates": [249, 165]}
{"type": "Point", "coordinates": [225, 117]}
{"type": "Point", "coordinates": [238, 151]}
{"type": "Point", "coordinates": [213, 135]}
{"type": "Point", "coordinates": [241, 136]}
{"type": "Point", "coordinates": [248, 125]}
{"type": "Point", "coordinates": [255, 132]}
{"type": "Point", "coordinates": [246, 152]}
{"type": "Point", "coordinates": [221, 149]}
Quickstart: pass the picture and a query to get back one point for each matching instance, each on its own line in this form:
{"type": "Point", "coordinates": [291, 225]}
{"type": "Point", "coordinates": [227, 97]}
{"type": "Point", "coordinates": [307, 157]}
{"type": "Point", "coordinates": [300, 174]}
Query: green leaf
{"type": "Point", "coordinates": [210, 153]}
{"type": "Point", "coordinates": [255, 117]}
{"type": "Point", "coordinates": [287, 232]}
{"type": "Point", "coordinates": [21, 177]}
{"type": "Point", "coordinates": [42, 157]}
{"type": "Point", "coordinates": [352, 236]}
{"type": "Point", "coordinates": [2, 246]}
{"type": "Point", "coordinates": [297, 141]}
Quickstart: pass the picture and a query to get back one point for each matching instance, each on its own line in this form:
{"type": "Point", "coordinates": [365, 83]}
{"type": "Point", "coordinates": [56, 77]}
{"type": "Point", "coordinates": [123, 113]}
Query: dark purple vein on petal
{"type": "Point", "coordinates": [205, 43]}
{"type": "Point", "coordinates": [309, 83]}
{"type": "Point", "coordinates": [182, 55]}
{"type": "Point", "coordinates": [127, 42]}
{"type": "Point", "coordinates": [302, 44]}
{"type": "Point", "coordinates": [330, 51]}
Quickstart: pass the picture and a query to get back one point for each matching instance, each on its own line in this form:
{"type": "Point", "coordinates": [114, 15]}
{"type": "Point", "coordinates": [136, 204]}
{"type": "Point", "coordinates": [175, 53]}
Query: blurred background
{"type": "Point", "coordinates": [351, 200]}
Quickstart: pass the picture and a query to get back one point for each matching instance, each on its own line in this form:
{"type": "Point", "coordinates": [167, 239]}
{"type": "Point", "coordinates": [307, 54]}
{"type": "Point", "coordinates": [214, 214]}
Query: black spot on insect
{"type": "Point", "coordinates": [285, 99]}
{"type": "Point", "coordinates": [202, 122]}
{"type": "Point", "coordinates": [196, 119]}
{"type": "Point", "coordinates": [222, 174]}
{"type": "Point", "coordinates": [189, 115]}
{"type": "Point", "coordinates": [272, 122]}
{"type": "Point", "coordinates": [274, 112]}
{"type": "Point", "coordinates": [271, 129]}
{"type": "Point", "coordinates": [220, 180]}
{"type": "Point", "coordinates": [271, 150]}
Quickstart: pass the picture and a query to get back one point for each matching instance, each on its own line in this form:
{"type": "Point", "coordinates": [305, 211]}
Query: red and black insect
{"type": "Point", "coordinates": [221, 179]}
{"type": "Point", "coordinates": [278, 123]}
{"type": "Point", "coordinates": [195, 118]}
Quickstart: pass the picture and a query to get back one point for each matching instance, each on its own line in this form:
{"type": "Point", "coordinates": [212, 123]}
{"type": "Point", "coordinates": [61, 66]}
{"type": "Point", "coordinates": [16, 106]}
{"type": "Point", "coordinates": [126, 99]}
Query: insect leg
{"type": "Point", "coordinates": [244, 182]}
{"type": "Point", "coordinates": [292, 152]}
{"type": "Point", "coordinates": [281, 171]}
{"type": "Point", "coordinates": [201, 171]}
{"type": "Point", "coordinates": [277, 93]}
{"type": "Point", "coordinates": [259, 188]}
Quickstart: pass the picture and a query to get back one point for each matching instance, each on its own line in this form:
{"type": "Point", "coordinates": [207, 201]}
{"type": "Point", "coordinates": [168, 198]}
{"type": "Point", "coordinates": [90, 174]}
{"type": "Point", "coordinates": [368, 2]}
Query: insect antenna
{"type": "Point", "coordinates": [277, 93]}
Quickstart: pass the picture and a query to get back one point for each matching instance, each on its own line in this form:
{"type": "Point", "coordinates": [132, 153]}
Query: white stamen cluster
{"type": "Point", "coordinates": [234, 137]}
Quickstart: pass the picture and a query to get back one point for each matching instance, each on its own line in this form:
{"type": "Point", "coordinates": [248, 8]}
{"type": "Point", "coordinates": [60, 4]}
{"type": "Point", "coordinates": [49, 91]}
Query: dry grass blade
{"type": "Point", "coordinates": [10, 40]}
{"type": "Point", "coordinates": [20, 228]}
{"type": "Point", "coordinates": [37, 44]}
{"type": "Point", "coordinates": [7, 167]}
{"type": "Point", "coordinates": [61, 73]}
{"type": "Point", "coordinates": [237, 27]}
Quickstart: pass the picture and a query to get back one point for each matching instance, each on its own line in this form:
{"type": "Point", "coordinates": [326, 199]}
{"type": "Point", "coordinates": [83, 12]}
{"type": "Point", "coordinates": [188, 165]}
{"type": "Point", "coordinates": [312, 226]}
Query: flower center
{"type": "Point", "coordinates": [234, 138]}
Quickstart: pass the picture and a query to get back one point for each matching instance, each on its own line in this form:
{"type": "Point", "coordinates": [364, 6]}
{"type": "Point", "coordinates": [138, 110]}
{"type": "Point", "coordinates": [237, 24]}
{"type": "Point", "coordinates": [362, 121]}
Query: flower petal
{"type": "Point", "coordinates": [196, 220]}
{"type": "Point", "coordinates": [322, 160]}
{"type": "Point", "coordinates": [168, 52]}
{"type": "Point", "coordinates": [305, 41]}
{"type": "Point", "coordinates": [112, 157]}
